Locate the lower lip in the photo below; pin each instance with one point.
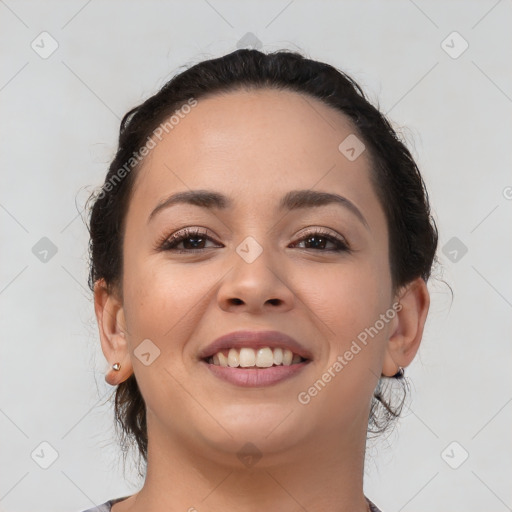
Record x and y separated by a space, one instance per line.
256 377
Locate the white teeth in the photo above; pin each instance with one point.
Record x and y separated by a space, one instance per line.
264 357
223 360
233 358
247 357
278 356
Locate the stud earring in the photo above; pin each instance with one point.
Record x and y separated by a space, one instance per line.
116 367
399 374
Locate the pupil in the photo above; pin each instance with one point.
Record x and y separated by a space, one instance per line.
321 241
193 244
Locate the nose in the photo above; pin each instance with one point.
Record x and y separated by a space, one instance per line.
256 285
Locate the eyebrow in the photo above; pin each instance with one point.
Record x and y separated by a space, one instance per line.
293 200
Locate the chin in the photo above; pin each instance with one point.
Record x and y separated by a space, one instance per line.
266 431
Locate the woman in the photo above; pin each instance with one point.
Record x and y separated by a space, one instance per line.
259 256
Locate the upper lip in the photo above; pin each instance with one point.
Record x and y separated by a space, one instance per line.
254 339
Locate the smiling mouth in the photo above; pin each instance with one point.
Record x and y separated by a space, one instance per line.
248 358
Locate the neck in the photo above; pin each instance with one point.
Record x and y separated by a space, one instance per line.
325 474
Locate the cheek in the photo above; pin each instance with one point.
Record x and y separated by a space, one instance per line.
161 305
158 298
347 304
346 297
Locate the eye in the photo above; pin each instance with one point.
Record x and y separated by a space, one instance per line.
193 240
319 238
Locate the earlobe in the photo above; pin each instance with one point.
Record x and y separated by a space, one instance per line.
111 324
404 341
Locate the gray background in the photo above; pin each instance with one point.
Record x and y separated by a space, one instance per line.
60 118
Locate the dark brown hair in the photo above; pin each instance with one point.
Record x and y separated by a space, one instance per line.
412 231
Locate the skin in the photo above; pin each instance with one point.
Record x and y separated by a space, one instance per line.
255 147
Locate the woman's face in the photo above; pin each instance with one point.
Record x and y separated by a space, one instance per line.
256 266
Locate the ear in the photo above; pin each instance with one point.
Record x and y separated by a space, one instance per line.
407 330
111 323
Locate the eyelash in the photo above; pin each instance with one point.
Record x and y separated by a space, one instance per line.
170 243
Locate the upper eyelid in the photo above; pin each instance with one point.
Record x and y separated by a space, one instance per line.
205 231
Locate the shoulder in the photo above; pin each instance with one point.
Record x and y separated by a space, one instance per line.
105 507
373 507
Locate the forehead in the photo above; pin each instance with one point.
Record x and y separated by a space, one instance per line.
255 145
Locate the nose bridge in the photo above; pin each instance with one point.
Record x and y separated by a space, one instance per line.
255 236
254 258
257 276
